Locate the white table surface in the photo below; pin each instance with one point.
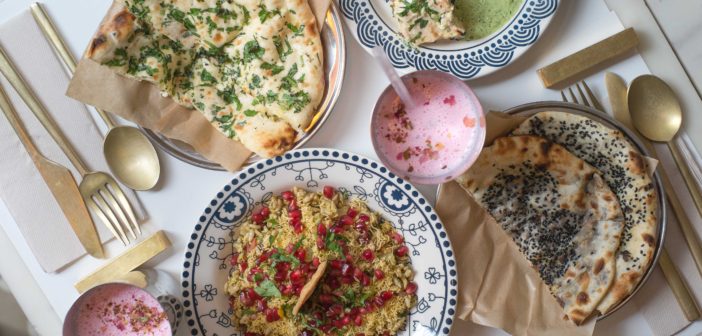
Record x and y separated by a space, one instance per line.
184 190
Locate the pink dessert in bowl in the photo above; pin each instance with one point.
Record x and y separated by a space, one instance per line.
116 309
436 140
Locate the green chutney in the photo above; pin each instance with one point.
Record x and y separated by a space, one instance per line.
481 18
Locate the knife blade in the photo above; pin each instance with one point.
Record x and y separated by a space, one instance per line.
61 184
617 92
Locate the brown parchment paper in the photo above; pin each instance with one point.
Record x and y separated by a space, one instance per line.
497 285
141 102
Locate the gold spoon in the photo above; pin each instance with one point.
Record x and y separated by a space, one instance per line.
657 115
129 154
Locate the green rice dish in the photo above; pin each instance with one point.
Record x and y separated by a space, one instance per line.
481 18
367 287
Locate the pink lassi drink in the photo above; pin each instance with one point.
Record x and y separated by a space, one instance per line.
437 139
119 309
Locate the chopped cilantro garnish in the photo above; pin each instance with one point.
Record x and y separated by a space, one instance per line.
250 113
252 50
297 30
275 69
267 289
294 101
230 97
264 14
207 77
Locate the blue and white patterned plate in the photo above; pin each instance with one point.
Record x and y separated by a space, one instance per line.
372 23
206 265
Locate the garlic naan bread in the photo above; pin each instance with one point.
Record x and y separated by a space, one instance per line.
252 67
426 21
558 211
624 170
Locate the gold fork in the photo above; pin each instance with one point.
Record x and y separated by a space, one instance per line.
100 192
670 272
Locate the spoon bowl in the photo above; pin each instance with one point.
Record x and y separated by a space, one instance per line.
131 157
655 110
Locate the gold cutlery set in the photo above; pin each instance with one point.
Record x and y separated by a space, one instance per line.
650 109
128 154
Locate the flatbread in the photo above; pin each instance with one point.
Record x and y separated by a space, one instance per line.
253 68
423 21
624 170
558 211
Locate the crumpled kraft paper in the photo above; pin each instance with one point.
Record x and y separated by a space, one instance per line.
141 102
497 285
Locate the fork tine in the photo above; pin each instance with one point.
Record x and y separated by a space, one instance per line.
124 203
582 95
107 217
563 96
572 96
116 209
593 98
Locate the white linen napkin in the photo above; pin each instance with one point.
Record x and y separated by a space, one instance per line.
22 188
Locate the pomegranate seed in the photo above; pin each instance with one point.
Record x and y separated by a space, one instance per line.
351 212
336 264
364 238
336 229
397 237
257 218
361 227
320 243
272 315
261 305
346 280
357 274
379 275
346 220
295 214
301 254
367 254
297 276
346 320
358 320
347 270
363 218
401 251
362 311
292 206
315 262
297 229
287 290
378 301
234 259
298 290
328 192
321 229
335 310
411 288
386 295
265 212
288 195
245 299
280 276
243 265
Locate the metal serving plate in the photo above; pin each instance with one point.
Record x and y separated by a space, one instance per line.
332 36
530 109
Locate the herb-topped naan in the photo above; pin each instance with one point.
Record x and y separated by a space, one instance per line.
426 21
252 67
558 211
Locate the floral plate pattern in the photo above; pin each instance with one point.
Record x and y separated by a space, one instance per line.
206 265
372 23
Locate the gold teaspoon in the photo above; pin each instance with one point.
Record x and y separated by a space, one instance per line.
129 154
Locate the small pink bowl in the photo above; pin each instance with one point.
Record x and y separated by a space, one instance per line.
445 106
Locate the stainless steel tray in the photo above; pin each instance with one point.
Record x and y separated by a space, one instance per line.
334 69
533 108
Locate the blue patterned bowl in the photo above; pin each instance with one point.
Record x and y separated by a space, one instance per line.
372 23
206 266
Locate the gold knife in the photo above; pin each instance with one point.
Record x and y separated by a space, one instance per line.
617 91
61 183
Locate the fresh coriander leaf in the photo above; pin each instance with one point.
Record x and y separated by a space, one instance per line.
267 289
252 50
250 113
274 68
